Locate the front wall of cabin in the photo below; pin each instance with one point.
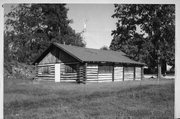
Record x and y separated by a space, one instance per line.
57 56
46 67
45 72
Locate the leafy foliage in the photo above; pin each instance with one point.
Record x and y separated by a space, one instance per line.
104 48
145 32
32 27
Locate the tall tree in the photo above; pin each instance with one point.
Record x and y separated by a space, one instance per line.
34 26
146 33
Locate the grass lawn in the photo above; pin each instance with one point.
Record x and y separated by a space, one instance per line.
146 99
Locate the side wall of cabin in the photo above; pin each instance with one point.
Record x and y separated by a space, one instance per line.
109 73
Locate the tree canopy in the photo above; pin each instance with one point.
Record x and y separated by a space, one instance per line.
104 48
30 28
146 32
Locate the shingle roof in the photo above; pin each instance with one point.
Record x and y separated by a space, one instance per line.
95 55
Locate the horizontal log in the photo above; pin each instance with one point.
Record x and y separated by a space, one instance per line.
118 77
128 75
91 79
104 80
45 78
104 77
69 73
118 72
88 78
68 79
117 80
128 79
91 76
45 75
91 71
104 74
68 76
92 66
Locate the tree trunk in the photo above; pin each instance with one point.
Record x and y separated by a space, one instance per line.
159 63
159 72
163 67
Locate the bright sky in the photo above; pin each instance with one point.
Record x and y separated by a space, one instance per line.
99 22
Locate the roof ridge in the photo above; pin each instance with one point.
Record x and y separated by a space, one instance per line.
90 48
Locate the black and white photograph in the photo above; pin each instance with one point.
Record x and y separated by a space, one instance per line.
89 60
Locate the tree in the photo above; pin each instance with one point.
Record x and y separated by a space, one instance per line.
104 48
146 33
34 26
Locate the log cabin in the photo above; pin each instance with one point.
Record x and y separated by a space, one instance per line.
65 63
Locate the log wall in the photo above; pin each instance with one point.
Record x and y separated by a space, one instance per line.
138 73
49 76
105 77
81 72
118 73
68 77
92 73
128 73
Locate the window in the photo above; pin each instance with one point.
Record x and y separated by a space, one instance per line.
128 69
45 70
70 68
105 69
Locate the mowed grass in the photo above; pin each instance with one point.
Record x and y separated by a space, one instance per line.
114 100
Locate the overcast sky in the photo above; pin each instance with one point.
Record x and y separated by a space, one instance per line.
97 18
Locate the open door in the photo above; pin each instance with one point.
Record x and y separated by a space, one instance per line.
57 72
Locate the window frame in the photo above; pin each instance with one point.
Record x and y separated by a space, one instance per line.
45 70
105 69
70 68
